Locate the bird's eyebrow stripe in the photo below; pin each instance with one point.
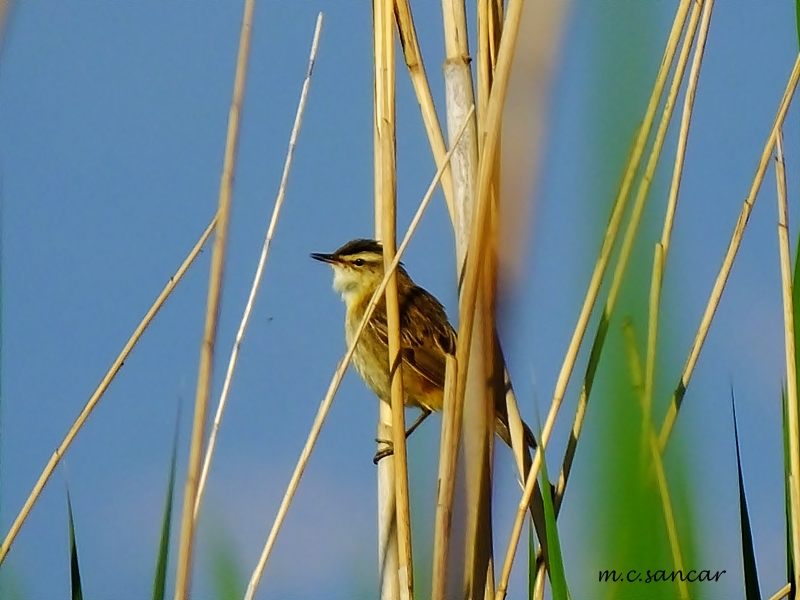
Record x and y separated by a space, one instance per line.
364 256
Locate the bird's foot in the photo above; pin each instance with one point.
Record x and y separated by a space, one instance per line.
387 450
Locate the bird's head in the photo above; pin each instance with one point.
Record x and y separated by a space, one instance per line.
357 268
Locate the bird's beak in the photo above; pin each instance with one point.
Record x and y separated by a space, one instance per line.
326 258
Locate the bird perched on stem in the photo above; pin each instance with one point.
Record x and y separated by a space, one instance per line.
426 336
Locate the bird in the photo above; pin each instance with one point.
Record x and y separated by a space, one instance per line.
426 335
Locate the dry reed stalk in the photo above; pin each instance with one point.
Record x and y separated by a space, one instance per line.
782 593
644 185
478 222
672 200
683 133
458 100
480 399
101 388
727 263
662 247
385 75
212 440
791 364
490 29
186 544
609 240
479 430
325 405
658 464
419 80
591 295
388 559
416 68
388 543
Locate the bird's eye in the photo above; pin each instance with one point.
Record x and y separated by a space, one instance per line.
359 262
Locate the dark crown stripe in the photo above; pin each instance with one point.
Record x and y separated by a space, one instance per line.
358 246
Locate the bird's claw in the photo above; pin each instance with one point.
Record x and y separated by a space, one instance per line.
388 450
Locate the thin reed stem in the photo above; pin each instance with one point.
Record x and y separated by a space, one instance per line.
476 407
727 263
782 593
591 295
186 544
605 253
101 388
325 405
298 119
643 191
388 558
662 247
471 273
385 75
791 346
419 80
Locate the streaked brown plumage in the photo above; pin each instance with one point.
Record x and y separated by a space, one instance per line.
426 335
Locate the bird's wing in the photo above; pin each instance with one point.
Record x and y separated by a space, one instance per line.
426 335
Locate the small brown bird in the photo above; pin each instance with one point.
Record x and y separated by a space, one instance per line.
426 335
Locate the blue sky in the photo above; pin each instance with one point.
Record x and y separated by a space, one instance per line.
112 126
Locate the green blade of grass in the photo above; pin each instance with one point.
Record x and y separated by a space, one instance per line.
558 580
787 495
531 563
227 577
160 580
796 285
751 587
76 590
797 15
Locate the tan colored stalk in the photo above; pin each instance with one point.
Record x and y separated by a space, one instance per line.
791 364
605 253
486 362
419 79
686 118
459 99
186 544
388 559
657 268
325 405
644 185
479 220
782 593
101 389
727 263
298 119
385 74
416 68
591 296
663 246
658 464
470 399
388 543
479 430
